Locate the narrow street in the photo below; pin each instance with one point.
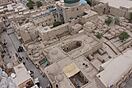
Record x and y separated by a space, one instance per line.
12 45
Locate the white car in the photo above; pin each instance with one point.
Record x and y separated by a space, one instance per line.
36 82
31 73
35 86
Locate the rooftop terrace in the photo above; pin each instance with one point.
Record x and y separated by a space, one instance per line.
118 3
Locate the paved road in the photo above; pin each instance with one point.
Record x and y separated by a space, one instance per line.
12 45
128 83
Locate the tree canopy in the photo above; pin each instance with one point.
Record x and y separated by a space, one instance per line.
130 17
39 4
30 4
108 21
89 2
123 36
117 21
99 35
57 23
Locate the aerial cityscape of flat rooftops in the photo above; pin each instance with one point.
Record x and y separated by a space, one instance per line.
65 43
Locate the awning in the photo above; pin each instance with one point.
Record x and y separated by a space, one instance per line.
70 70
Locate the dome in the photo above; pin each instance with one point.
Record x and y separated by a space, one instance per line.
53 71
59 78
13 75
71 1
54 52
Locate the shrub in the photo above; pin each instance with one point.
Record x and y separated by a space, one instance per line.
123 36
99 35
39 4
108 21
57 23
89 2
30 4
130 17
117 21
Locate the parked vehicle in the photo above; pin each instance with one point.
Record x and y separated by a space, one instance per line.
36 81
31 73
20 49
35 86
49 86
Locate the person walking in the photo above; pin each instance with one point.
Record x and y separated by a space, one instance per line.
16 54
24 63
27 58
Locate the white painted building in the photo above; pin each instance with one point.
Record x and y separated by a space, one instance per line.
22 76
120 8
115 71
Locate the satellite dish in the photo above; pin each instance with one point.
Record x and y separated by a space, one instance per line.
9 65
13 75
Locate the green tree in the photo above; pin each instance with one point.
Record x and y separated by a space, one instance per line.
123 36
99 35
89 2
30 5
117 21
130 17
31 1
57 23
39 4
108 21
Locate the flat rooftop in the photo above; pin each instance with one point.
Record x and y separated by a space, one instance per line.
118 3
2 2
22 75
73 46
115 69
47 29
62 71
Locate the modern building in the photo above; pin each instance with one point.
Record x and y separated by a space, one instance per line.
126 4
120 8
116 72
22 77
